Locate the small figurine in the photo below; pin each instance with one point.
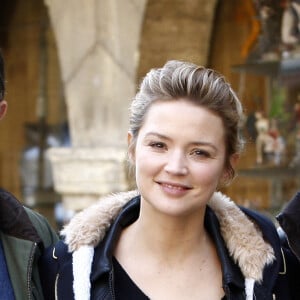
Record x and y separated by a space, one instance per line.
263 138
290 28
296 159
278 144
270 145
264 41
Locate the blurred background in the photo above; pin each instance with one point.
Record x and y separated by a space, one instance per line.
72 68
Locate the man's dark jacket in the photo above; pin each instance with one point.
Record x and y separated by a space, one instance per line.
24 235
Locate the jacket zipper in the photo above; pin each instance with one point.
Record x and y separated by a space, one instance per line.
29 270
111 284
227 292
55 286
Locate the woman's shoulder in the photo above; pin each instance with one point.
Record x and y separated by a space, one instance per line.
89 226
262 219
238 217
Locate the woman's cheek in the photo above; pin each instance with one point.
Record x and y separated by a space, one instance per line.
207 173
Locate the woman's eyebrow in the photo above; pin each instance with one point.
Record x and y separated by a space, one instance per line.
151 133
204 144
195 143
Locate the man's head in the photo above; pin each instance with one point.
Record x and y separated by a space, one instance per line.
3 104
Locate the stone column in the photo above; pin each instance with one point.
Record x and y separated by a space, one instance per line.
82 174
97 45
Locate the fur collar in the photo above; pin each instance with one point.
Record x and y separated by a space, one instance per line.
243 239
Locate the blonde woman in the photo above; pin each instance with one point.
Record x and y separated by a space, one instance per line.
176 236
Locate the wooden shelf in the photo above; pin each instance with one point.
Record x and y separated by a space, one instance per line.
287 71
271 172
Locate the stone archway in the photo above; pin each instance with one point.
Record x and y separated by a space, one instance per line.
98 52
103 47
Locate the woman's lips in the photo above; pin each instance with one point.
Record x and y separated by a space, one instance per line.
174 188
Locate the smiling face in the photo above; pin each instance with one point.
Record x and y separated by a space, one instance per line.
179 157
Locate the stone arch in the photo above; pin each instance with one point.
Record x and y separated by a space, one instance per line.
98 50
103 52
103 49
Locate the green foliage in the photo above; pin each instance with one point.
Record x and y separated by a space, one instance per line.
277 105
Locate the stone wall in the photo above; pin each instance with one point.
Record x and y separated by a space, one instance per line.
176 29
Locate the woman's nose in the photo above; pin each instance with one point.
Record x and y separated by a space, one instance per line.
176 164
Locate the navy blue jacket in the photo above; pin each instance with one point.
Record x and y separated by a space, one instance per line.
280 279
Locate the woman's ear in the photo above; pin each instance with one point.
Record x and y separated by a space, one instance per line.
234 160
130 147
129 138
227 176
3 108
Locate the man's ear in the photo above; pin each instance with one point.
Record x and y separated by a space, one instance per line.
3 108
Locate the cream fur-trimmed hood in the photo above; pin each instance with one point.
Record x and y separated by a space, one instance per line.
243 239
89 226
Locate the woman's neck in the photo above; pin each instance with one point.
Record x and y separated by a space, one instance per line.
168 238
159 251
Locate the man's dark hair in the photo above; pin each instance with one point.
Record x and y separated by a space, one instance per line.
2 85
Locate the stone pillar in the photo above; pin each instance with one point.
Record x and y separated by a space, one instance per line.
97 45
82 174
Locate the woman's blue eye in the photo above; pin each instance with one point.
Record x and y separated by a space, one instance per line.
200 153
157 145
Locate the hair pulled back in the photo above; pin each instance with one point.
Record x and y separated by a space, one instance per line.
199 85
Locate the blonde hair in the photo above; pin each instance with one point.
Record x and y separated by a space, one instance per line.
202 86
